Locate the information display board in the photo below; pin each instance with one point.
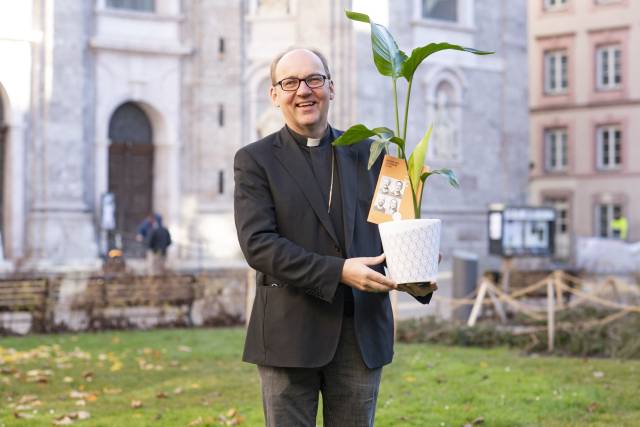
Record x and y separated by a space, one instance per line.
521 231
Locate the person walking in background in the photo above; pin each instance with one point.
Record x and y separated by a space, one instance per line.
156 239
146 225
619 226
321 320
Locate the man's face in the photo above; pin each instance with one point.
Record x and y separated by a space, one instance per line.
304 110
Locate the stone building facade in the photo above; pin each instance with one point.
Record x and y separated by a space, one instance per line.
585 115
149 100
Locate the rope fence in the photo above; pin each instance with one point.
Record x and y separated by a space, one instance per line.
555 287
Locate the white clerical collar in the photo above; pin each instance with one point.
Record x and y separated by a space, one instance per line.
313 142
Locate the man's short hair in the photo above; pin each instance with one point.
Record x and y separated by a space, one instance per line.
313 50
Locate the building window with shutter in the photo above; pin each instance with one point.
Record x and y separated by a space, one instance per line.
605 213
221 182
556 150
608 147
608 67
554 4
556 72
135 5
443 10
221 115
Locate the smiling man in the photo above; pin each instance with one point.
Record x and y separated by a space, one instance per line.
321 320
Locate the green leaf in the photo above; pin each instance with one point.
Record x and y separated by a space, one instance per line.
416 160
375 150
357 16
353 135
358 133
453 179
384 132
387 57
419 54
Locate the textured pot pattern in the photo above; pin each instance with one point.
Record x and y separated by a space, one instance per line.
412 248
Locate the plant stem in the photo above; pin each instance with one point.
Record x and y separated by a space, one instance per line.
395 107
406 111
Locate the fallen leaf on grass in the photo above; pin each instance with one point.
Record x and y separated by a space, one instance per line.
63 421
70 418
39 376
67 380
231 418
111 391
197 422
593 406
410 379
184 349
162 395
22 415
135 404
27 398
75 394
598 374
477 421
177 390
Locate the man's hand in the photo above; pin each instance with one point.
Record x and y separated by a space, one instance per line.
418 289
358 275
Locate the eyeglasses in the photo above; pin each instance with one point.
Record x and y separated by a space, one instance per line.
291 84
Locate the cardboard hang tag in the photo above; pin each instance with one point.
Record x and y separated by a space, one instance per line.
392 200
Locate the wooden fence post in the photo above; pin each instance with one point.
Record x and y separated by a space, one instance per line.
550 314
477 305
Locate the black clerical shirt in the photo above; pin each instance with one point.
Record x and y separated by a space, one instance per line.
319 159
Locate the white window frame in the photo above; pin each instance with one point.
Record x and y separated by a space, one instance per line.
556 149
556 72
610 211
609 67
608 140
555 4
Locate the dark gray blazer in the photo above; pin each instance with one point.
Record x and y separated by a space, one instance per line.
287 236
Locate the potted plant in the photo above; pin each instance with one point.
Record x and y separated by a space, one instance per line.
411 245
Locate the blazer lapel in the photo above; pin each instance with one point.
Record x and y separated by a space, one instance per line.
289 155
348 169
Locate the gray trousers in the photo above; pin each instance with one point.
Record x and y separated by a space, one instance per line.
349 389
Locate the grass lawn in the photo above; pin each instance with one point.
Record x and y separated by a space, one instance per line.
194 377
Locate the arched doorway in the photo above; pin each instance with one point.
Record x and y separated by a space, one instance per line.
4 128
130 173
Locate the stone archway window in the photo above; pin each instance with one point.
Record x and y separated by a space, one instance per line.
130 124
131 158
136 5
445 116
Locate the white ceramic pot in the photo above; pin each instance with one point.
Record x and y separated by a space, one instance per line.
412 247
